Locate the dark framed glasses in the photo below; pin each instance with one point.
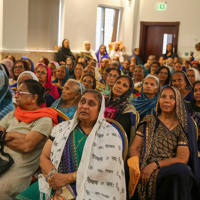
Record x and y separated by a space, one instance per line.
18 67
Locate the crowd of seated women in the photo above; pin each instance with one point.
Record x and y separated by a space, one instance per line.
107 104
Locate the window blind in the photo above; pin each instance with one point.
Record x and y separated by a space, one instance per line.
43 23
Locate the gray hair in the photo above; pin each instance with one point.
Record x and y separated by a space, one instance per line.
152 56
76 86
140 67
115 62
72 62
97 95
154 77
91 67
146 64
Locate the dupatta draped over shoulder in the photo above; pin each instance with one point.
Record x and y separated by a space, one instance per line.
6 104
100 174
158 138
99 56
65 79
64 53
51 89
144 105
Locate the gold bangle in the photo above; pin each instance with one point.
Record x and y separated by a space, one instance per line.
74 176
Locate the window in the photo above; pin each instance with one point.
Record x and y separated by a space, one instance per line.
107 26
43 24
167 38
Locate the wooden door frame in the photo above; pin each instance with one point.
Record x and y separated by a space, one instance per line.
143 32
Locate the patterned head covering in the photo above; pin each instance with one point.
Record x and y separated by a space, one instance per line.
185 77
179 107
186 124
121 102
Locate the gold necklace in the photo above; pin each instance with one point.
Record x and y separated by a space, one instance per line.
81 138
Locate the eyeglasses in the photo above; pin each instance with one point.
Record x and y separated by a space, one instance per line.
18 67
42 72
19 93
113 75
140 71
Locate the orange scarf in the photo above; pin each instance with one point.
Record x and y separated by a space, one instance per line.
30 116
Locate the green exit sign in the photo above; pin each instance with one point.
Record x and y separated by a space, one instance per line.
161 6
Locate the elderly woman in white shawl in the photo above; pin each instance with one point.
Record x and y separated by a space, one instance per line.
83 157
87 52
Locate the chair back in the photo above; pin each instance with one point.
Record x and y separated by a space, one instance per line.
61 116
196 128
57 85
122 133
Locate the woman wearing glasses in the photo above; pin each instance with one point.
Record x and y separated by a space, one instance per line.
112 76
43 74
27 129
19 67
70 64
165 75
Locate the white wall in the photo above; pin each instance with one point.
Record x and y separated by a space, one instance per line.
184 11
1 23
80 21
